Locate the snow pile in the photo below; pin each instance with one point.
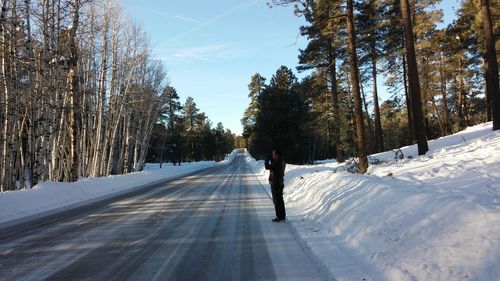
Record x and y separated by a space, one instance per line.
257 166
229 157
48 195
433 217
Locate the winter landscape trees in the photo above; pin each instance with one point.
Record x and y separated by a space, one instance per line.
81 94
439 80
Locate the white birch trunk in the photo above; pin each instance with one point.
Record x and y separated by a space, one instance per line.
5 113
101 100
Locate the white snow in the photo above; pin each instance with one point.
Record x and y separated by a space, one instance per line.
54 196
433 217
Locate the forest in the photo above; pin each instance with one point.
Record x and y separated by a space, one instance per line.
438 80
185 134
83 96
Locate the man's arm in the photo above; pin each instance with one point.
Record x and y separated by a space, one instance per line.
268 163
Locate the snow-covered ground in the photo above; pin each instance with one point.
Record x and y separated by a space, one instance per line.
433 217
49 196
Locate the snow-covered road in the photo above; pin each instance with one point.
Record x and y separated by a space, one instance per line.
214 225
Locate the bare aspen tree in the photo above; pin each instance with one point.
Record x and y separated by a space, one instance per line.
6 102
88 67
103 156
12 141
156 75
101 92
79 91
3 97
73 93
30 90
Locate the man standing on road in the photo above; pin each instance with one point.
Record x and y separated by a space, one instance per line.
276 167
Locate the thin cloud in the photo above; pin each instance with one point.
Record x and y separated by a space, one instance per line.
186 19
163 14
241 6
210 52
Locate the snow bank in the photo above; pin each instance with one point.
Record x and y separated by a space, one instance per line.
433 217
49 195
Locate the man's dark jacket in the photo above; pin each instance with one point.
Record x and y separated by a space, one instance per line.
276 171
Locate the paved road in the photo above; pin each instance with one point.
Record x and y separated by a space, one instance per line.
214 225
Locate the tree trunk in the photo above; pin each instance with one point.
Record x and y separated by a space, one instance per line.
411 127
74 96
339 153
439 119
487 93
21 162
31 93
460 95
101 95
5 107
368 121
379 138
126 144
14 106
46 114
446 114
137 143
360 130
491 64
113 93
413 79
5 159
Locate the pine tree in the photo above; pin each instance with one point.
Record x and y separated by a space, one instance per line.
194 122
323 53
425 18
170 110
281 120
369 25
491 67
413 79
353 62
353 58
468 61
224 141
394 59
256 86
442 52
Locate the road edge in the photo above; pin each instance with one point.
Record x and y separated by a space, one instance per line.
320 264
30 222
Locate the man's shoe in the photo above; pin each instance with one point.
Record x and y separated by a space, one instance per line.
278 220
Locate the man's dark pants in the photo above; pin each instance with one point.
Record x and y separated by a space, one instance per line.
279 204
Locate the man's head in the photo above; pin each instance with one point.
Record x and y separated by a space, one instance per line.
276 154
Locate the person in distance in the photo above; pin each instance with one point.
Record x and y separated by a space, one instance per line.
276 166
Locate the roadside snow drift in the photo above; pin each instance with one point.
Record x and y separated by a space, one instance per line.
433 217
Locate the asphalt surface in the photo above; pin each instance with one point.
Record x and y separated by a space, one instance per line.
214 225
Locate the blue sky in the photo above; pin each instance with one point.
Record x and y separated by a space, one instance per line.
212 48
